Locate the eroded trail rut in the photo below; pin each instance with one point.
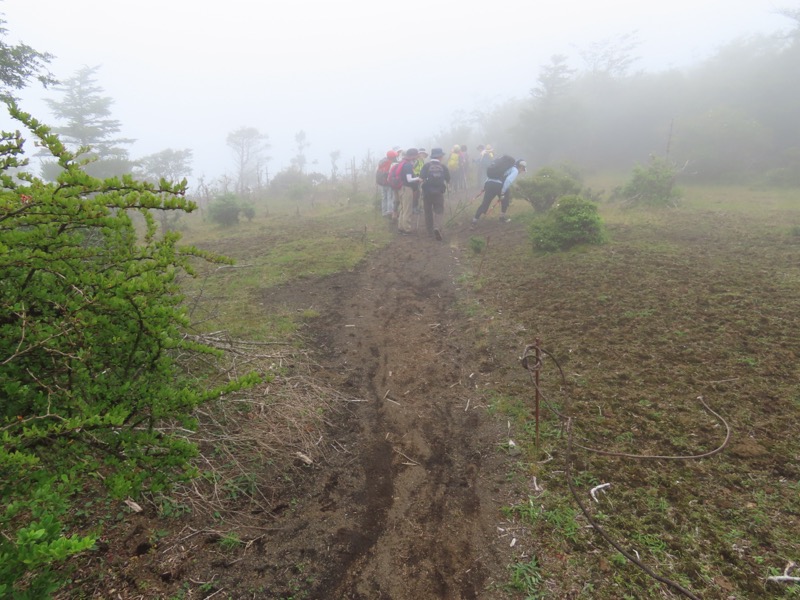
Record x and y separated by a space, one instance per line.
405 507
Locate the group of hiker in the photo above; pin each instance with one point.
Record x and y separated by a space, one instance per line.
406 177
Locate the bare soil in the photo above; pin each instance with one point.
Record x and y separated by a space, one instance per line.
409 508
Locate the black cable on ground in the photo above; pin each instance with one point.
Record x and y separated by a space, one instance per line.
567 462
567 421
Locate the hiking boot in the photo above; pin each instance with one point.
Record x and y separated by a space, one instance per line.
504 219
474 223
437 234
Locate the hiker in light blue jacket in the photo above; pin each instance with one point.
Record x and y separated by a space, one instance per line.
498 185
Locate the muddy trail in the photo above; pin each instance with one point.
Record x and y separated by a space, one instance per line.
406 505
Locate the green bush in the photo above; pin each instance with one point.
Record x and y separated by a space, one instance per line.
90 323
652 185
546 186
225 209
574 220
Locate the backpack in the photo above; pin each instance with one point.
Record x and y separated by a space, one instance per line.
434 177
499 166
382 174
395 179
454 161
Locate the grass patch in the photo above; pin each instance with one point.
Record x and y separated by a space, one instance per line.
272 251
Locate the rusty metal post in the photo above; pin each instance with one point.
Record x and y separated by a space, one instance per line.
535 368
537 343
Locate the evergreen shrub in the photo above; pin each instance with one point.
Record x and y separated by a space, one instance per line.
573 221
91 322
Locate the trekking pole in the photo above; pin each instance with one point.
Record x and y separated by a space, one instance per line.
461 207
491 208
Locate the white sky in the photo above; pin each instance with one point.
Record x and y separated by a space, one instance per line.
354 74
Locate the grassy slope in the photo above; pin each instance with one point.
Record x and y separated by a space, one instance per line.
703 300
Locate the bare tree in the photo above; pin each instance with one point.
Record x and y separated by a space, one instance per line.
335 156
248 145
299 161
611 57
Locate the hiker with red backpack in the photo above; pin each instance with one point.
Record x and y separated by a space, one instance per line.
435 177
422 155
499 177
382 180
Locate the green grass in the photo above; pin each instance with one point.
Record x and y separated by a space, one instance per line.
272 251
526 577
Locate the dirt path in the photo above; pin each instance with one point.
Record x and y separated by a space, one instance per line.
404 508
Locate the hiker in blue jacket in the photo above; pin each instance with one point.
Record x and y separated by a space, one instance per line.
497 185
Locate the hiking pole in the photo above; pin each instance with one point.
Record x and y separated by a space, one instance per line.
461 207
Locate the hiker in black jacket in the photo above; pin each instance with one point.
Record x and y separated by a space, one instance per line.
500 175
435 177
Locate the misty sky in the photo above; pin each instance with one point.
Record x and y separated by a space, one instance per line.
354 75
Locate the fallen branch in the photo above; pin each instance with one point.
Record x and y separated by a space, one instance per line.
787 575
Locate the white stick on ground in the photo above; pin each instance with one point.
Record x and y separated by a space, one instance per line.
787 575
596 489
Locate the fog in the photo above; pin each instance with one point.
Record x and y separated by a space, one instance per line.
354 76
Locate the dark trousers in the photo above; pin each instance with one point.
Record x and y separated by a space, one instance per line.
433 204
491 190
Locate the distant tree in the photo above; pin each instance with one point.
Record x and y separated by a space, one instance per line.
248 146
169 165
552 111
723 144
611 58
335 156
19 64
553 80
301 143
89 130
794 15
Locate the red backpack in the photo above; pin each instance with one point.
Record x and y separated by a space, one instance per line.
395 176
382 174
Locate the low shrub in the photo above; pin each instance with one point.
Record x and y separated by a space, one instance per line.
546 186
573 221
652 185
225 210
